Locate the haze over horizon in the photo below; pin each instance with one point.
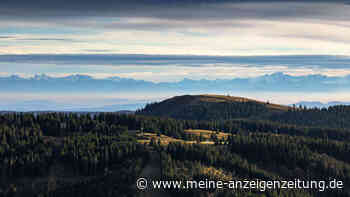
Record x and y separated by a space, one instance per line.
86 93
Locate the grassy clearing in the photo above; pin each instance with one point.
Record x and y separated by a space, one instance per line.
145 138
219 174
207 134
206 137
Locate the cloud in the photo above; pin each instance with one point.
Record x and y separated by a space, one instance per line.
156 24
49 39
99 50
197 27
6 37
295 61
175 10
320 38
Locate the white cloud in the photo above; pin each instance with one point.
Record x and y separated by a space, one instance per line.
217 36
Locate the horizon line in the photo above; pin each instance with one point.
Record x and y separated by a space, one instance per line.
62 76
172 55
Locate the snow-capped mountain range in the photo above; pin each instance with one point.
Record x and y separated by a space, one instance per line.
84 83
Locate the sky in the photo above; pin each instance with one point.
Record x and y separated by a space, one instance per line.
170 40
169 27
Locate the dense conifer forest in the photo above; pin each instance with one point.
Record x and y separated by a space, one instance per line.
102 154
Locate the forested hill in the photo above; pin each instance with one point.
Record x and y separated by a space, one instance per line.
218 107
211 107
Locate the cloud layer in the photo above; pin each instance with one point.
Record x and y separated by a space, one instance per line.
196 27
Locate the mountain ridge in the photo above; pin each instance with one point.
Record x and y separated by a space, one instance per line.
226 108
275 82
318 104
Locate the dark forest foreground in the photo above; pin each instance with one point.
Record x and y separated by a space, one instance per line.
102 154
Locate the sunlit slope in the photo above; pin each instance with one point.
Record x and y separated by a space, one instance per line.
212 107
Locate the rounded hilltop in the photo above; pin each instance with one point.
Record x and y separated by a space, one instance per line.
211 107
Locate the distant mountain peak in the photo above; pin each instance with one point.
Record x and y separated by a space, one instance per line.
15 77
279 74
115 78
187 80
319 104
78 77
275 82
41 77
